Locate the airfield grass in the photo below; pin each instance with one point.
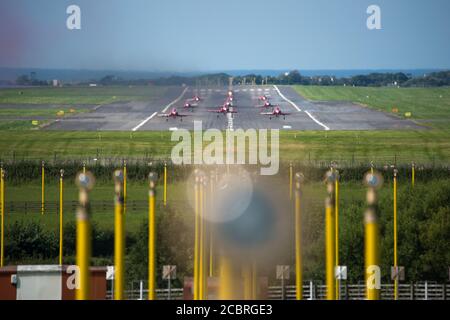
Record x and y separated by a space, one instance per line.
178 194
22 119
103 218
37 112
79 95
426 146
429 104
16 125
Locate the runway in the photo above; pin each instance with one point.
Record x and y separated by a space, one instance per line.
116 116
303 114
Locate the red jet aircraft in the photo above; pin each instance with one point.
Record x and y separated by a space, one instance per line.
173 114
266 104
195 98
188 105
276 112
223 109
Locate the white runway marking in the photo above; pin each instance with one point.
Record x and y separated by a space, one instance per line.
230 120
175 101
164 110
286 99
317 121
295 106
144 122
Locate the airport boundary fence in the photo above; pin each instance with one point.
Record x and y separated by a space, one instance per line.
317 291
137 170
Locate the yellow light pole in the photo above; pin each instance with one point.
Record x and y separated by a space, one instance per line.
196 239
254 281
61 204
371 238
247 275
205 231
124 187
413 174
395 235
85 182
226 280
165 183
202 240
152 237
298 238
119 235
84 167
330 255
290 181
43 187
2 211
211 235
336 228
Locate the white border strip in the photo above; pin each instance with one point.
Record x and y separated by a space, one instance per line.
144 122
164 110
175 101
317 121
307 112
286 99
230 121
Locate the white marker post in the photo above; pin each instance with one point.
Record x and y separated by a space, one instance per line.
169 273
283 274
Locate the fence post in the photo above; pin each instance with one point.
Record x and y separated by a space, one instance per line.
141 290
169 289
444 291
131 295
426 290
412 290
346 290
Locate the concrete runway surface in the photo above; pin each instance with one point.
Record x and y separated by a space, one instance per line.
304 114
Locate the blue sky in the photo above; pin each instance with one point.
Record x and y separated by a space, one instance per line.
206 35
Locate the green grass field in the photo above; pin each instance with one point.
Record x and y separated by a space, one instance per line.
23 119
37 112
430 104
79 95
177 200
360 146
31 192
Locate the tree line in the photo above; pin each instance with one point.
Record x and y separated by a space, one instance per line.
398 79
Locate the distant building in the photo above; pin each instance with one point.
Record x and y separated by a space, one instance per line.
92 84
56 83
47 282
